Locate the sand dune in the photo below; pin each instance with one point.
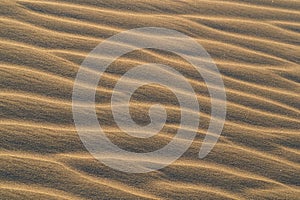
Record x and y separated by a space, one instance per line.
255 45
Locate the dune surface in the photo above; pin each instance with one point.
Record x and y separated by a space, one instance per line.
254 43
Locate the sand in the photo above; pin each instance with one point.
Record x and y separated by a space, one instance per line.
255 45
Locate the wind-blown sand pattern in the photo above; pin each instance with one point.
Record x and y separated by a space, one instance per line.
256 46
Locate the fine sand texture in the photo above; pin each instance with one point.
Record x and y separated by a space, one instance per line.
254 43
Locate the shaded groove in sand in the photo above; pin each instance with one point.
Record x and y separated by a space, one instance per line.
138 14
196 164
260 87
201 188
38 190
116 29
112 184
260 112
186 163
97 40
